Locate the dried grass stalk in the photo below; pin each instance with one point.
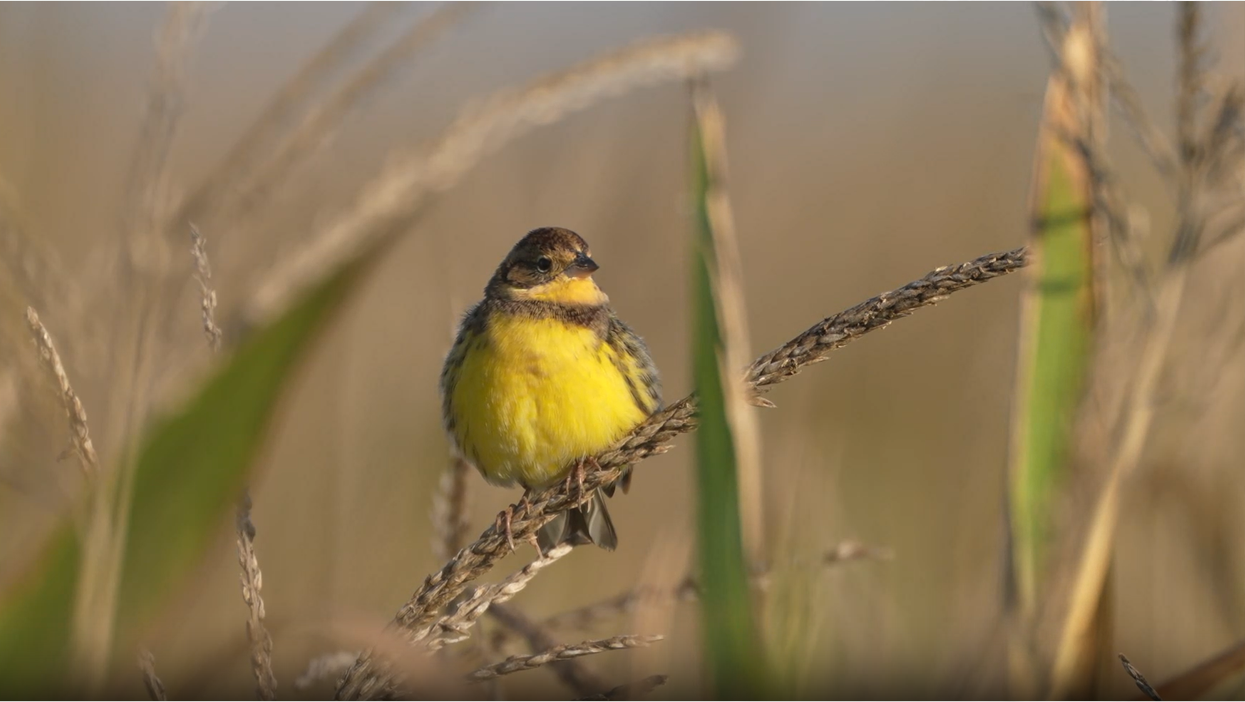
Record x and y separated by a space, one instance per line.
330 666
1139 679
323 120
1122 449
654 436
79 430
207 296
148 178
631 691
581 680
1207 676
450 507
401 189
515 664
252 584
277 115
454 626
687 589
144 261
33 267
147 666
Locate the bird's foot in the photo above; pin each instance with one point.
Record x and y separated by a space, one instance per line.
503 524
505 518
576 476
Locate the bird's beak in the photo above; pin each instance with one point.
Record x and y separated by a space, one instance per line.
581 267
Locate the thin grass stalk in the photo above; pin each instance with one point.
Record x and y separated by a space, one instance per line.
369 675
453 627
515 664
207 295
1076 638
252 578
1139 679
1208 676
252 585
579 679
143 258
80 444
687 589
151 681
450 507
404 186
325 119
275 119
631 691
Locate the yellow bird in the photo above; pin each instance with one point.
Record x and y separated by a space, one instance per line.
543 376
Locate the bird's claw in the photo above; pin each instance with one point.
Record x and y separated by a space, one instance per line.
578 472
504 518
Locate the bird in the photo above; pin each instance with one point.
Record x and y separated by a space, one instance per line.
542 376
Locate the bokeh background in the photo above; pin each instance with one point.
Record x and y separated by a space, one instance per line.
868 144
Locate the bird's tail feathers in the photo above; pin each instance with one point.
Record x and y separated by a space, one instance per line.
589 523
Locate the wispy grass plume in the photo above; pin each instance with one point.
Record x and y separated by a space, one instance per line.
252 586
403 187
515 664
214 193
81 445
207 295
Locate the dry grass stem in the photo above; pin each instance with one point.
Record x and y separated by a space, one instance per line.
79 430
34 269
515 664
402 187
450 506
632 691
144 261
322 121
453 627
1139 679
274 121
450 628
578 678
149 172
1123 448
1205 677
1191 80
726 278
151 681
1120 90
687 589
203 275
655 434
252 584
330 666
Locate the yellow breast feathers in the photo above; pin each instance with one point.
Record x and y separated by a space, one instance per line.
528 394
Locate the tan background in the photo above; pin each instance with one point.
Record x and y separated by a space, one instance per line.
868 144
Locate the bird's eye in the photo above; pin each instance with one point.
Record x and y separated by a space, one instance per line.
544 264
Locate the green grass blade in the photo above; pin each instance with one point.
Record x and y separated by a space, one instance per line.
35 621
191 469
729 630
1056 343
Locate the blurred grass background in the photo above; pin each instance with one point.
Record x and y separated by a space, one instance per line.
868 144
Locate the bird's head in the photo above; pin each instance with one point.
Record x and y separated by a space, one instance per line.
550 264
